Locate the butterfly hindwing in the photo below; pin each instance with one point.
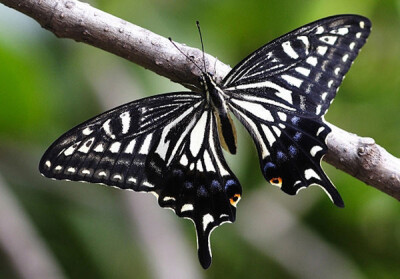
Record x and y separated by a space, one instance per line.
203 181
281 92
167 145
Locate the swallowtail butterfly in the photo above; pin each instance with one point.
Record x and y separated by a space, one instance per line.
170 144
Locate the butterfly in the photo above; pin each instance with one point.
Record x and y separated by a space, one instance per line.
171 144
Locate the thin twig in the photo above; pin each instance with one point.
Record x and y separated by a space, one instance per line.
360 157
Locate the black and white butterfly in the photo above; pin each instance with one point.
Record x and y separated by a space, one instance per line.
170 144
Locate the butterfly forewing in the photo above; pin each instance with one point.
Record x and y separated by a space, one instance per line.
167 145
281 91
304 68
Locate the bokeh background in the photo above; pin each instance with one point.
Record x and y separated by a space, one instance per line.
53 229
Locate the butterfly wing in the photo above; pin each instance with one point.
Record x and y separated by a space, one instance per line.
167 145
281 92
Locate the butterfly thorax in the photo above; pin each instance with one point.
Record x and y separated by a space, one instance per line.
216 99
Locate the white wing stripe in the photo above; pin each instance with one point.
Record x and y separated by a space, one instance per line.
197 134
254 128
282 93
265 101
255 109
163 146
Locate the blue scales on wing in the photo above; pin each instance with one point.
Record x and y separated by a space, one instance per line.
282 91
167 145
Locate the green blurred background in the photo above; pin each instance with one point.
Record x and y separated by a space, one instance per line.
75 230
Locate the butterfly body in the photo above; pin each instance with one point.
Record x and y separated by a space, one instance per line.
217 101
171 144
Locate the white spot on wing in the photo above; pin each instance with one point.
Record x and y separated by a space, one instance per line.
86 146
313 61
277 131
48 164
303 71
287 48
132 179
352 45
305 41
282 116
292 80
70 150
318 109
184 160
107 129
310 173
57 168
345 57
87 131
114 148
99 148
187 207
320 130
341 31
320 30
168 199
362 24
315 150
85 171
322 50
207 219
144 149
117 177
328 39
147 184
125 121
129 148
71 170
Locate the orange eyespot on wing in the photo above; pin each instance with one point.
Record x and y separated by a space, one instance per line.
276 181
235 199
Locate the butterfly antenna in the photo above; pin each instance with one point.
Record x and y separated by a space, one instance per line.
202 45
184 54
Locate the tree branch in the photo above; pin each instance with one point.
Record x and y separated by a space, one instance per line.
360 157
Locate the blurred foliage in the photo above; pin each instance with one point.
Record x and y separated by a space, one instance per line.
48 85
